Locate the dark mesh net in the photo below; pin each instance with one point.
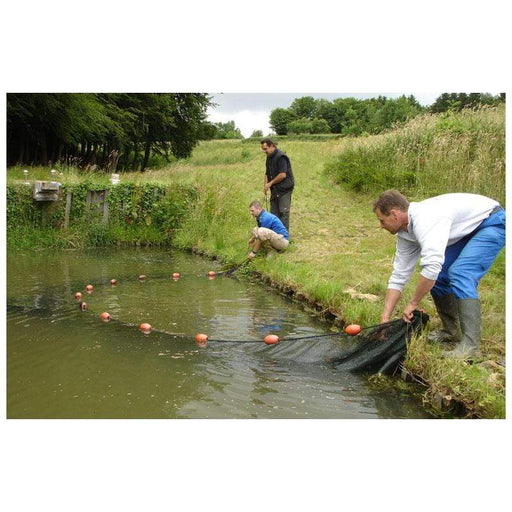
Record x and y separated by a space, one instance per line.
381 348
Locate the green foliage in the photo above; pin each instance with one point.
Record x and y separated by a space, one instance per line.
458 101
279 120
302 125
144 213
366 169
228 131
103 129
430 155
346 116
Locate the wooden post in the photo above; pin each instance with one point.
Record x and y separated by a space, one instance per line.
105 207
68 209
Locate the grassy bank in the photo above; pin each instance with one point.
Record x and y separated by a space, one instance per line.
340 258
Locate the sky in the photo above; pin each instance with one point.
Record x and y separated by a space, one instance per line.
251 111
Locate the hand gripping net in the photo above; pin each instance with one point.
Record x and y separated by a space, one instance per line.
381 348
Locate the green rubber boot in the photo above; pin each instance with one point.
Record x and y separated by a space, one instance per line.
449 314
471 325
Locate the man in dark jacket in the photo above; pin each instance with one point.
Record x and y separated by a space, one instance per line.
279 179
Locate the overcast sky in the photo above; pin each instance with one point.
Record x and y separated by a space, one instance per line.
251 111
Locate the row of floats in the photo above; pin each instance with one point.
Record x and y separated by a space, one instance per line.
201 339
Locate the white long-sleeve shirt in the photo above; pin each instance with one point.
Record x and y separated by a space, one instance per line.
435 224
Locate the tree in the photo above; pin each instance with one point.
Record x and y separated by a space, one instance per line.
257 133
89 127
458 101
302 125
320 126
279 119
304 107
227 131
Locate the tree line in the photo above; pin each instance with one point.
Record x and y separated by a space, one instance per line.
113 131
351 116
104 130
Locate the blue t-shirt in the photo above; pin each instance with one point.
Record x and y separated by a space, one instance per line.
270 221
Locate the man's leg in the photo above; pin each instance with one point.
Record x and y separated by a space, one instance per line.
474 261
274 206
285 202
444 299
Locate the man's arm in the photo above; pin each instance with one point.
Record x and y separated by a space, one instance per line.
280 177
423 287
390 301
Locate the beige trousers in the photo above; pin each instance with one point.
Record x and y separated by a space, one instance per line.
278 242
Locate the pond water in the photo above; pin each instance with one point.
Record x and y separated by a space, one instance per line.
66 363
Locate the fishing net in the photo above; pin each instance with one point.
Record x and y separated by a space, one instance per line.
381 348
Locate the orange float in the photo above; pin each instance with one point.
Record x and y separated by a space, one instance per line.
78 295
83 306
105 316
271 339
113 282
201 340
89 287
176 275
142 277
145 328
211 273
353 329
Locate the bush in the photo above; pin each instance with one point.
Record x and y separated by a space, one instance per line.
453 152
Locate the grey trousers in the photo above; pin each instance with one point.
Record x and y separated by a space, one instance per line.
280 207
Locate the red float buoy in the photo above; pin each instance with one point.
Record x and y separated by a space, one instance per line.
78 295
89 287
145 328
105 316
113 282
142 277
201 340
353 329
83 306
211 273
271 339
176 275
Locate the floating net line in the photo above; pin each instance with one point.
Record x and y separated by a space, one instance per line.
380 348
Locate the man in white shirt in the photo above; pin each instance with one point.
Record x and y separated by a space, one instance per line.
456 237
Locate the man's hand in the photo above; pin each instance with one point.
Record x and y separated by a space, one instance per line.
251 255
408 312
265 188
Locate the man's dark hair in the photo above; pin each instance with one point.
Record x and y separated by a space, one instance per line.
389 200
268 142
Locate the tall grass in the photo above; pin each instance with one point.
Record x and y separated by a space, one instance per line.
430 155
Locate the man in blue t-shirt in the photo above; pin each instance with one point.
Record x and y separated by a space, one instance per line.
270 229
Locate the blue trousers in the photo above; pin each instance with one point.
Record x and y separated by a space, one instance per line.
467 261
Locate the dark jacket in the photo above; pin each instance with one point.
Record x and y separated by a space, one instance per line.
279 162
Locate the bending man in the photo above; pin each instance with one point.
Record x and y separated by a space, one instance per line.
279 179
457 238
269 228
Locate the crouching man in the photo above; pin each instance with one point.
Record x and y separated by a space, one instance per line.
270 229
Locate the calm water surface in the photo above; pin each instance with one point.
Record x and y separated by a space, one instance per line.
65 363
